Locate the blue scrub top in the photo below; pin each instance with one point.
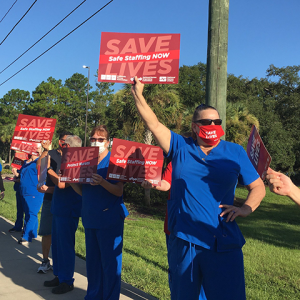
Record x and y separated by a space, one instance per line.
200 186
100 208
29 179
66 203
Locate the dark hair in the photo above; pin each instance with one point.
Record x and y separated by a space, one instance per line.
200 108
100 129
62 134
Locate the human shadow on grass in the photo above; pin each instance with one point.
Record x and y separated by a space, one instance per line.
146 259
272 224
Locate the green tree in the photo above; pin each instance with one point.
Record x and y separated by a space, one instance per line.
6 134
163 99
239 123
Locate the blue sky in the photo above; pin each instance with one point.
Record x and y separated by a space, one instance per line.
260 33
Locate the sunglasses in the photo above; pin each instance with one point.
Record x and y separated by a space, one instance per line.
209 121
101 140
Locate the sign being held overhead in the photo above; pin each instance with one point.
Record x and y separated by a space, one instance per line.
153 58
34 129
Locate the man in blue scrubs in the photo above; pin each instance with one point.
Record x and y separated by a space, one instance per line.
66 210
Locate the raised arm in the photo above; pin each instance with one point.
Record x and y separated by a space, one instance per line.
160 132
281 184
46 146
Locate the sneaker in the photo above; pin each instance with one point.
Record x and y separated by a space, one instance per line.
45 266
14 230
52 283
63 288
23 242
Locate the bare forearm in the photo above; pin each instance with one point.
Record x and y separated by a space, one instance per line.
295 194
164 186
255 196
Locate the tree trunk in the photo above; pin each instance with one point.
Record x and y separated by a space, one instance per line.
9 157
148 141
147 197
148 137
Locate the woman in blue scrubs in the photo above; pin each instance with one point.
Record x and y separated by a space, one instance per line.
103 214
32 199
205 244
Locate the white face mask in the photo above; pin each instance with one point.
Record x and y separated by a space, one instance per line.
100 145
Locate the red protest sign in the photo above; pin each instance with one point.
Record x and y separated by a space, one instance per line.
18 160
34 129
135 162
258 154
78 164
154 58
27 147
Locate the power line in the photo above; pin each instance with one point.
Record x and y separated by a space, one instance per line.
8 11
57 42
18 21
42 37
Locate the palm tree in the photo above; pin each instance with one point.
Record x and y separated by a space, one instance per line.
239 123
164 101
6 134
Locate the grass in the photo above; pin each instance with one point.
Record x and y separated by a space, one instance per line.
271 253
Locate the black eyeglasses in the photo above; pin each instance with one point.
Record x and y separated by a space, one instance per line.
101 140
209 121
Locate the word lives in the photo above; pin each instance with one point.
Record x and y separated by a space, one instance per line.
78 164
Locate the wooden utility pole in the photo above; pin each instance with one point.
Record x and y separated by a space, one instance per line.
216 77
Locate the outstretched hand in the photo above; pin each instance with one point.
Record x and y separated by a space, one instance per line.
279 183
137 87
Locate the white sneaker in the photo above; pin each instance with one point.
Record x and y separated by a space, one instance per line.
44 267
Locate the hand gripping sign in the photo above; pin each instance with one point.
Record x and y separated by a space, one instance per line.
258 154
135 162
30 131
78 164
154 58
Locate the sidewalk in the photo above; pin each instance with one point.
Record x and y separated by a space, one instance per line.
19 278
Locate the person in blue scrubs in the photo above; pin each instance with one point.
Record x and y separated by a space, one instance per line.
205 242
32 199
103 214
66 210
20 210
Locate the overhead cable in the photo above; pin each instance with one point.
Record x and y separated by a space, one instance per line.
42 36
57 42
8 11
18 22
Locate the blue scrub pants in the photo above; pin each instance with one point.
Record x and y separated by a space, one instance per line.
104 262
20 212
219 274
31 205
63 247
